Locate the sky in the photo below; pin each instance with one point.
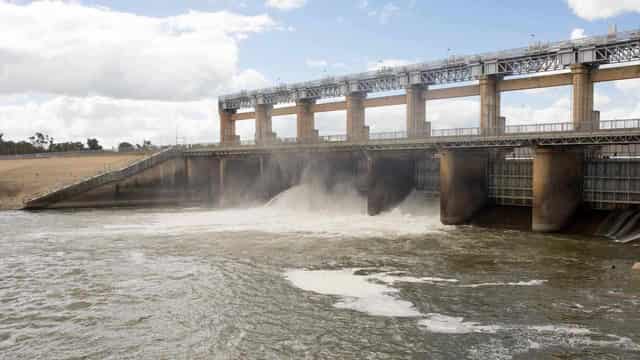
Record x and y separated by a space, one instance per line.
126 70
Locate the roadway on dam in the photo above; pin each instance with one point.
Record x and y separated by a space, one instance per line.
309 275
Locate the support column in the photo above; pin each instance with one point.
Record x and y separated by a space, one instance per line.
557 187
463 185
356 129
390 180
227 126
582 111
417 125
305 121
264 132
489 105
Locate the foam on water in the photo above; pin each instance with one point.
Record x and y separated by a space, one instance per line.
374 295
355 292
516 283
443 324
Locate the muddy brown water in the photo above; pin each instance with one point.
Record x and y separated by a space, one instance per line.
289 281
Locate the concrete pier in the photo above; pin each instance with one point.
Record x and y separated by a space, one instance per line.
417 125
264 129
463 185
390 180
228 127
305 121
489 104
582 110
356 128
557 187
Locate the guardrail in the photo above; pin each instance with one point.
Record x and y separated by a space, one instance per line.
619 124
507 131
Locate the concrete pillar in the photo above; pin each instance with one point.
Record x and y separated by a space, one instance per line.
264 132
557 187
227 126
417 125
463 185
390 180
356 129
305 121
489 104
582 111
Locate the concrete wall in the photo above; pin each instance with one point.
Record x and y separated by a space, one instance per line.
238 180
203 179
463 185
165 183
557 187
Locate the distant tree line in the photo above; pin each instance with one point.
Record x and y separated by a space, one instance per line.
42 143
126 147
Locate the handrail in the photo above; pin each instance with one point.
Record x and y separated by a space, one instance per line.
509 130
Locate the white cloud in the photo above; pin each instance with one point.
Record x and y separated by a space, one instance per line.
454 113
387 63
286 4
577 34
628 87
75 71
70 49
557 112
602 9
69 118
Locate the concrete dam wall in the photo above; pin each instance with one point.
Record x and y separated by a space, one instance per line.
551 189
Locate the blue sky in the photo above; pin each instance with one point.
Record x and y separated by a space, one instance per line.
347 32
128 70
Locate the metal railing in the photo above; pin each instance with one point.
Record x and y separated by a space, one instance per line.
619 124
507 131
456 132
539 128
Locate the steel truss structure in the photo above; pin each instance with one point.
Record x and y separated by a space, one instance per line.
614 48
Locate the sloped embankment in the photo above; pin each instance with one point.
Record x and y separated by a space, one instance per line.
86 185
24 178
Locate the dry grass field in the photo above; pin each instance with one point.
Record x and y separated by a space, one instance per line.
22 178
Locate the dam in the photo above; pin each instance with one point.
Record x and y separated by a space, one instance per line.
553 169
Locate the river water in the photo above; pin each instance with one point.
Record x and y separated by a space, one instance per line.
308 276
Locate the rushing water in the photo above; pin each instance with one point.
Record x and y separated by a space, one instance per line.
290 281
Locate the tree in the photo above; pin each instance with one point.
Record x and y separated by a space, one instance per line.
67 146
39 140
125 146
93 144
146 145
